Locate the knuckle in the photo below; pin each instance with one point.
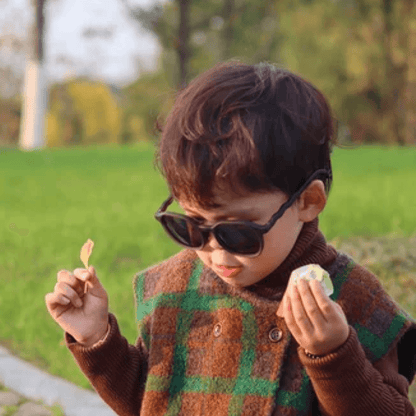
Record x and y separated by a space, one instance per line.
62 274
69 290
314 310
317 284
81 274
320 338
64 289
327 308
301 317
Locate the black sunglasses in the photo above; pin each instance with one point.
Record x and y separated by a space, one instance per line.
244 238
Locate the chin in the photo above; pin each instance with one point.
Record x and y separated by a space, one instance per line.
236 284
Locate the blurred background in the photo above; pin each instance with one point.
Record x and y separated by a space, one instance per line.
101 71
82 84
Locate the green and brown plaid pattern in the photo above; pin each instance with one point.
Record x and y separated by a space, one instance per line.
210 351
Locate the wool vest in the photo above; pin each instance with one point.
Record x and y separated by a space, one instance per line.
218 350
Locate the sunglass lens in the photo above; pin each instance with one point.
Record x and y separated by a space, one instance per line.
183 231
238 239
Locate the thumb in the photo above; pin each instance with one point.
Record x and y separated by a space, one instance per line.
93 282
341 312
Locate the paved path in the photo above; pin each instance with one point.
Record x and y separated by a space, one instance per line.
14 404
27 385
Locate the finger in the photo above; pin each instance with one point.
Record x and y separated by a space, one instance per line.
309 303
53 300
82 274
68 292
299 313
65 289
323 301
90 278
68 278
290 318
341 312
85 276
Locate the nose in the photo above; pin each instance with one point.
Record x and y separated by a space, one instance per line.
212 242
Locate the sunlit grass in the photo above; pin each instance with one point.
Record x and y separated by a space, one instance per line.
54 200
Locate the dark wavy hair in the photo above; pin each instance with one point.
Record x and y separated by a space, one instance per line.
239 128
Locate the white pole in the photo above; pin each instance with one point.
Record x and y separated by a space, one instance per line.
32 129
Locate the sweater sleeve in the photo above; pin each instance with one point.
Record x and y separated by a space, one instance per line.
116 369
347 384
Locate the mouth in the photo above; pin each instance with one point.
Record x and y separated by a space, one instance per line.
228 271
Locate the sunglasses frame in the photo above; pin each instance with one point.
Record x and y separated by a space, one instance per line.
257 228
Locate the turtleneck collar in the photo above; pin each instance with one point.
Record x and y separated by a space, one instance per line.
310 247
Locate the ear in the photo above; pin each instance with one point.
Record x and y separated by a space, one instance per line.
312 201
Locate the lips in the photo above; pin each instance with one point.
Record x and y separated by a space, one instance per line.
229 271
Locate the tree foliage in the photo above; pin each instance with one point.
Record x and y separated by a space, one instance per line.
356 51
82 111
360 53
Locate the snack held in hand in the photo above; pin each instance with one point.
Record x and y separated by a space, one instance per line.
314 272
86 251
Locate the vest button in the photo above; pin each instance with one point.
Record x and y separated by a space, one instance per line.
275 335
217 330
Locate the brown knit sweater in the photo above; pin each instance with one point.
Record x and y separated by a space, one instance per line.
205 348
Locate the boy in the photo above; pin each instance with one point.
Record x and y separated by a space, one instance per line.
223 330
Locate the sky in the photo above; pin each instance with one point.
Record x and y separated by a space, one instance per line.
114 60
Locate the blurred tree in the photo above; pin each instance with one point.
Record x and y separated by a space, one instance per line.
194 36
356 51
182 28
9 122
410 91
139 114
394 74
83 112
12 55
12 49
151 19
357 55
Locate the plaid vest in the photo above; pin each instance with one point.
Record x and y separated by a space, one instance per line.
217 350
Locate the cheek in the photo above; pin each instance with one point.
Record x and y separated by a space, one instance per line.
204 256
281 239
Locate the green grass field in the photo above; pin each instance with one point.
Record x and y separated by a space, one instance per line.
52 201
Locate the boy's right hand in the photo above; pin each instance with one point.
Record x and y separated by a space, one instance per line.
87 322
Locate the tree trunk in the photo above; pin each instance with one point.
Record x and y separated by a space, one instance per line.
183 36
227 33
392 76
410 135
32 130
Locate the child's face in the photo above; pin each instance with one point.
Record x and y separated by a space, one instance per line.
278 242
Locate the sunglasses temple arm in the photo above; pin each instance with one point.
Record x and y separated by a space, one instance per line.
299 192
164 205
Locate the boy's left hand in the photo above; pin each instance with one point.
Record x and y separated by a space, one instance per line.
318 324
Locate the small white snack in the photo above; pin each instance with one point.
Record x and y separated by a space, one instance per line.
314 272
